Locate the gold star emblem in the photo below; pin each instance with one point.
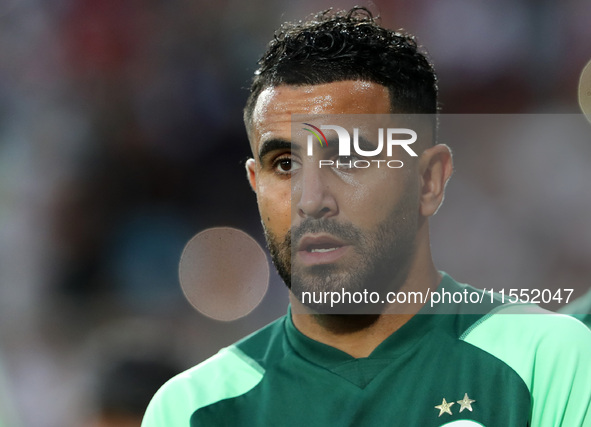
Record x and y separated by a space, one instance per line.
444 407
466 403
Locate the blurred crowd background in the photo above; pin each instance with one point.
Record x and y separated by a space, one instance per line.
121 137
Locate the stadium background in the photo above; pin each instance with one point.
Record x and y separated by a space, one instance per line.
121 137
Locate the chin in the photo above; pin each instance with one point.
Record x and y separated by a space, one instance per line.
337 295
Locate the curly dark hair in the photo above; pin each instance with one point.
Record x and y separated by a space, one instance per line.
347 45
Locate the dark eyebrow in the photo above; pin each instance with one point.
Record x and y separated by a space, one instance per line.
332 142
274 144
365 144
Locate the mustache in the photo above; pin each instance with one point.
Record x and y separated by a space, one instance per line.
346 232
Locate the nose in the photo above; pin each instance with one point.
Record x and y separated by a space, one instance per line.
316 197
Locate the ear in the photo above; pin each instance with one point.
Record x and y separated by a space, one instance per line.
250 166
435 167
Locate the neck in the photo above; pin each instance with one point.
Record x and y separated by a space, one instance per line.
358 335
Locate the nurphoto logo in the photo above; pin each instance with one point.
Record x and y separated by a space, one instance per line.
361 147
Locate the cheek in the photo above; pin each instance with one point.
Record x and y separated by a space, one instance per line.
378 196
275 207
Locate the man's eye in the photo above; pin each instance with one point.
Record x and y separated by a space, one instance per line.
286 165
346 162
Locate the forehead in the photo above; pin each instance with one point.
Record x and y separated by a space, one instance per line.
275 105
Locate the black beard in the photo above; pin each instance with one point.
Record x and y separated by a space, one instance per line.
280 254
384 259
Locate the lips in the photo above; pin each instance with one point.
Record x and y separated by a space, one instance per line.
321 249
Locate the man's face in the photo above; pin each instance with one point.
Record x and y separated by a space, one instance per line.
330 228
